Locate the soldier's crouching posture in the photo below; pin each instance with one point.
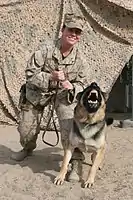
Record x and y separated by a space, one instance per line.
56 62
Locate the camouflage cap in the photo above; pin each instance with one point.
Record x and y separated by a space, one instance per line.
74 21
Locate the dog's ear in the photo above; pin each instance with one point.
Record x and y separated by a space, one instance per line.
105 95
79 95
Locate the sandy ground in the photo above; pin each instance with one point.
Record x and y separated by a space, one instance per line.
32 179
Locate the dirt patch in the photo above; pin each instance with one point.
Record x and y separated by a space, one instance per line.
32 179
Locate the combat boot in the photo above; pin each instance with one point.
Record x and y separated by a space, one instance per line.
21 155
75 173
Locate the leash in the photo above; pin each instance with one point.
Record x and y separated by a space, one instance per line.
49 120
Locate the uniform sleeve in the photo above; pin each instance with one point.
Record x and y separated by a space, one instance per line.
35 71
81 81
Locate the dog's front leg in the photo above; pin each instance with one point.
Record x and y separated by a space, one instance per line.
96 162
93 156
67 157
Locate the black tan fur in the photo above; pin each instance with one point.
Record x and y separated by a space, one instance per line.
88 132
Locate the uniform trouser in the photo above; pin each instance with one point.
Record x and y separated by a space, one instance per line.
30 119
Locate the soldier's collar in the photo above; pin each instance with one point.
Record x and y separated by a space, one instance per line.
70 59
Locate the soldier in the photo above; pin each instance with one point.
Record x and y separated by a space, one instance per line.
54 63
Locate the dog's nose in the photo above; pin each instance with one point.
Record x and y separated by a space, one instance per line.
93 84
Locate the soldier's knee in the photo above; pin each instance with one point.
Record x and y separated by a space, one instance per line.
27 133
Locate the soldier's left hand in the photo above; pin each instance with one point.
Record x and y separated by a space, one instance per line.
67 85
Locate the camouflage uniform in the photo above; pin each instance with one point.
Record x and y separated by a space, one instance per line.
37 76
39 67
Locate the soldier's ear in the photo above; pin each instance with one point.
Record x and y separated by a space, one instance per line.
79 95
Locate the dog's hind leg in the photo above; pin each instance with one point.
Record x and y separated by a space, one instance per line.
67 157
98 158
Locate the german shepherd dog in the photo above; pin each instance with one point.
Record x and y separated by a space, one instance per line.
88 132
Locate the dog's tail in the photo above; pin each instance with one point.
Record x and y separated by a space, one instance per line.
109 121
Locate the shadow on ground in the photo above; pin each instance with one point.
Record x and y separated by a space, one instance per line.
42 160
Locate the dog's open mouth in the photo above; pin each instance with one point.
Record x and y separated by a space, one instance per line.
93 98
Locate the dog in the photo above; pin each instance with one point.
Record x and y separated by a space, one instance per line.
88 132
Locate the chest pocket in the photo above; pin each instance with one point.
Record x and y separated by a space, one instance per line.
52 63
73 71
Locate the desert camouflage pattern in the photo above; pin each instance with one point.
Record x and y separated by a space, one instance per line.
24 25
41 63
74 21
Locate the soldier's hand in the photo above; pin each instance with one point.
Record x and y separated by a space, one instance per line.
57 76
67 85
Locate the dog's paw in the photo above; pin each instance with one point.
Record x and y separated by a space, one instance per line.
88 184
59 180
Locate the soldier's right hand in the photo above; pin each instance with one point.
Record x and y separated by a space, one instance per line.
57 76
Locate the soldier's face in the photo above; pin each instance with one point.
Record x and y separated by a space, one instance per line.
71 35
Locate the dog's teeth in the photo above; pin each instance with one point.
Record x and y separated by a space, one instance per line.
90 101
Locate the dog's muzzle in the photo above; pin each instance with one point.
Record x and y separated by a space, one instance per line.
93 99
